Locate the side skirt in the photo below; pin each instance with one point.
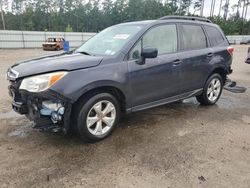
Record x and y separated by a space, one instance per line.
165 101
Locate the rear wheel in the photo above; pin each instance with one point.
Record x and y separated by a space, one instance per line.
211 91
98 117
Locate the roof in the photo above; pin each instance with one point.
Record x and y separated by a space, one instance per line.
143 22
190 19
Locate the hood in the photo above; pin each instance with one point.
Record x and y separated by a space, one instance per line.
58 62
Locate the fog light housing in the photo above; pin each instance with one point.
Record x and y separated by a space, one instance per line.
53 109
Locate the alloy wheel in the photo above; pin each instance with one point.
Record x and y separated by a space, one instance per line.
101 118
214 90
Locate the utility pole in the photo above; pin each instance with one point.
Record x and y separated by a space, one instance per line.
1 8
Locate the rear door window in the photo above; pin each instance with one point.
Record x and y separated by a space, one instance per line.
214 35
192 37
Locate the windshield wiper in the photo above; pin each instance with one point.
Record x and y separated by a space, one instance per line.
85 53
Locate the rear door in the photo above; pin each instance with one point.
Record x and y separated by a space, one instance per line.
219 45
195 56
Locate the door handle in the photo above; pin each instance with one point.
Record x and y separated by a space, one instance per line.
210 54
177 62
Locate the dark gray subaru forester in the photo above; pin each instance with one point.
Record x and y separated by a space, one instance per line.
125 68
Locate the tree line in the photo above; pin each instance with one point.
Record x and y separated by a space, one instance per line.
95 15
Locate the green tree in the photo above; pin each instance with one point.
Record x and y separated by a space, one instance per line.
94 15
69 28
28 17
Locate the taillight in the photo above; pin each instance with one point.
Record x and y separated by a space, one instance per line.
230 50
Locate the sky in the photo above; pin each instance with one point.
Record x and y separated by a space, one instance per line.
207 7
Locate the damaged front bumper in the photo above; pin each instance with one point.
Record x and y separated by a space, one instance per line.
48 110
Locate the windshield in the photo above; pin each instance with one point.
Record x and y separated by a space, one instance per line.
51 40
109 41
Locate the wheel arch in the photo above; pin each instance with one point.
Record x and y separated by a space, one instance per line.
111 89
221 71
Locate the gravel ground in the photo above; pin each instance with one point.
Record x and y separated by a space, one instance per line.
175 145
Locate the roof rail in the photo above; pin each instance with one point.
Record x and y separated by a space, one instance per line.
186 18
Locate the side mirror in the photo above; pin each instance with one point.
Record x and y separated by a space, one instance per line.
149 53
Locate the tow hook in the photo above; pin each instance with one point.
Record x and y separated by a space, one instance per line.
232 87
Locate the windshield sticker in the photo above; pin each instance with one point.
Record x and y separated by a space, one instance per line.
108 52
121 36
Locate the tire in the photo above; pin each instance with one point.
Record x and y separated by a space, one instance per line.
92 110
211 91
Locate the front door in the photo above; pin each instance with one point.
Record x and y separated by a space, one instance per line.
157 78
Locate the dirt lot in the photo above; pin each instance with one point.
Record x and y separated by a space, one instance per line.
176 145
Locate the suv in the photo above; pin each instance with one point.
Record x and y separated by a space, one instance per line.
125 68
245 41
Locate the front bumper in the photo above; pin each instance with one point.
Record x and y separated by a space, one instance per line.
20 108
48 110
49 47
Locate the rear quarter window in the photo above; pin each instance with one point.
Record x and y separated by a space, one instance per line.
192 37
214 35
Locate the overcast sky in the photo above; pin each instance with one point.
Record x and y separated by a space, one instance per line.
207 7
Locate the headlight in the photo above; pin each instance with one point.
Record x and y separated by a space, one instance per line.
41 82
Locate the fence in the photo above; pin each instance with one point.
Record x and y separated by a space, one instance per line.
236 39
34 39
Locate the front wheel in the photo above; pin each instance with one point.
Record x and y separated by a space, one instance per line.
98 117
211 91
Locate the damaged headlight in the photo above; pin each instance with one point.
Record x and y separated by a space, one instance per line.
41 82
